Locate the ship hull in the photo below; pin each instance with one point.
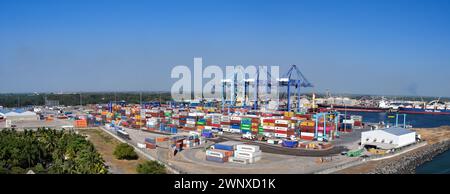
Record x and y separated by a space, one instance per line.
354 108
423 111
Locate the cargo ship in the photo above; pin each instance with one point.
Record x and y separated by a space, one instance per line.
424 111
434 107
354 108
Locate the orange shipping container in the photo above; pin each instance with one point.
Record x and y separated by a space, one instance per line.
162 139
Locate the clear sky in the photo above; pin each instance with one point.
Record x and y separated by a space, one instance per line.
397 47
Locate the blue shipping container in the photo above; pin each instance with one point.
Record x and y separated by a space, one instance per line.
223 147
235 126
214 159
150 140
290 144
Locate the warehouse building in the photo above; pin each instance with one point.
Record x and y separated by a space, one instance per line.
19 115
388 138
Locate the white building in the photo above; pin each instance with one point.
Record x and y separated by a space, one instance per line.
19 115
388 138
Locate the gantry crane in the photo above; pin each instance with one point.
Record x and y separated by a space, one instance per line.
294 78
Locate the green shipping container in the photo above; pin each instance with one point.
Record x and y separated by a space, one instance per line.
246 125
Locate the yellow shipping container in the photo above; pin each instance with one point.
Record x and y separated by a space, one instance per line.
308 123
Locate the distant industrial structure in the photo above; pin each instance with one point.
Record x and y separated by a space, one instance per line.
51 103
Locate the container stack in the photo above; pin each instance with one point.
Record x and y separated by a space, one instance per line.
182 119
357 120
207 133
307 130
191 141
150 143
201 123
235 124
284 128
225 123
177 142
215 121
246 154
256 123
246 125
218 155
191 121
82 123
222 151
268 127
152 124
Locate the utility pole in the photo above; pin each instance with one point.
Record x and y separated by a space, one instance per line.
81 101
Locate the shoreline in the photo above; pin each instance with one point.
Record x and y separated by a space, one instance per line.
438 142
407 163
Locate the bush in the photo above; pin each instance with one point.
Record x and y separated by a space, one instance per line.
151 167
124 151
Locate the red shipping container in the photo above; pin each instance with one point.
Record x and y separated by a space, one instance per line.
289 132
150 145
307 138
281 125
269 120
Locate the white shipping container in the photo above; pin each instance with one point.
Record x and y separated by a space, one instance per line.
190 122
245 154
306 134
268 127
215 153
348 121
285 122
236 118
235 130
238 160
141 145
226 129
281 128
268 134
248 148
281 135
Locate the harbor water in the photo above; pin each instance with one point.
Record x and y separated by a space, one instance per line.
441 163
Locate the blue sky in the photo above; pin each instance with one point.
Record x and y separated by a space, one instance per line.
397 47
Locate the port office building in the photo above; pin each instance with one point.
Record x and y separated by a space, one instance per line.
388 138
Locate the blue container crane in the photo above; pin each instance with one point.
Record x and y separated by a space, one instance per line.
294 78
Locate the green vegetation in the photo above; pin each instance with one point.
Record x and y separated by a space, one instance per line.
124 151
19 100
151 167
48 151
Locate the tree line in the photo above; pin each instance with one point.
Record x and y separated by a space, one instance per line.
34 99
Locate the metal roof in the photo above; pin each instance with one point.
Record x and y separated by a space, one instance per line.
397 131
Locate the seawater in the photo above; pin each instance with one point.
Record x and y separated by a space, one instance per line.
441 163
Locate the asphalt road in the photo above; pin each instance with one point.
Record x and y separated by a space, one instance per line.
286 151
